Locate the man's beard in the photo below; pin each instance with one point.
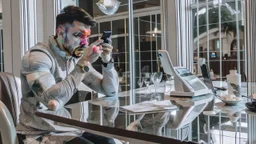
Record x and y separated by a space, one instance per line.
75 50
78 51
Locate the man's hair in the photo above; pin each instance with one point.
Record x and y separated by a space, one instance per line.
72 13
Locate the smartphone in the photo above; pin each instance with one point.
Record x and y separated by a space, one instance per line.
105 36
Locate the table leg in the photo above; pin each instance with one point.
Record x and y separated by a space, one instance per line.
208 127
198 129
220 127
240 130
235 133
101 115
126 117
190 132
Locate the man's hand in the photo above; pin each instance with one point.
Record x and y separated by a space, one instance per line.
53 105
91 53
106 54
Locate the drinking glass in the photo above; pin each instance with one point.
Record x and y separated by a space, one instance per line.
146 80
156 78
168 83
140 82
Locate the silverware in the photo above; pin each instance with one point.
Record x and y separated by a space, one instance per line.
249 97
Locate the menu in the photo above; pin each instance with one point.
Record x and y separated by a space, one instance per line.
150 106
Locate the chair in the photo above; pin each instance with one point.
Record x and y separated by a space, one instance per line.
7 128
10 97
10 94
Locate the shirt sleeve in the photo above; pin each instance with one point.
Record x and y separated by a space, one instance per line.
106 83
36 67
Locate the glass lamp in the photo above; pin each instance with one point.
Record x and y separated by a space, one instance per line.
108 7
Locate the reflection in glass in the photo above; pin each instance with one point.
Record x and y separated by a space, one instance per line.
104 111
219 37
156 78
140 82
147 81
147 19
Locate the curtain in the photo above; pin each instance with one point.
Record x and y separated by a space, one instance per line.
250 34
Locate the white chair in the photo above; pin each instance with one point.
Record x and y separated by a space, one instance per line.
7 128
10 94
10 97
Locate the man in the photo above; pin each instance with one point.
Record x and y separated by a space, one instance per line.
51 73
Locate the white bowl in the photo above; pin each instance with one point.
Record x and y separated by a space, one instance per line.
230 100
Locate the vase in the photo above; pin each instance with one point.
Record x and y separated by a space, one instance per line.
234 83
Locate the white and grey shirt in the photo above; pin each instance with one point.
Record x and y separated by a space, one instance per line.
47 73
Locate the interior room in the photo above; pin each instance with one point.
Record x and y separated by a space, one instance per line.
127 71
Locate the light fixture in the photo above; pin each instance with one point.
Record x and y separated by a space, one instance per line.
154 32
108 7
216 2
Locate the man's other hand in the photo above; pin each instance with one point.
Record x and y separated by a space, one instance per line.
91 53
106 54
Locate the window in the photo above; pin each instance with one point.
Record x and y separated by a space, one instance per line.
218 34
147 38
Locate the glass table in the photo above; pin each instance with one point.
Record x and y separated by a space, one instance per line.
202 119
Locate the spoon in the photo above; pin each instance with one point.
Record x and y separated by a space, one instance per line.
249 97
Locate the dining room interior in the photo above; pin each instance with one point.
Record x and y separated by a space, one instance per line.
185 70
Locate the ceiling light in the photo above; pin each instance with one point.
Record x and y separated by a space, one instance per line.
154 32
108 7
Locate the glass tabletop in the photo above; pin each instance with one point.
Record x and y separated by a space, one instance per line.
203 119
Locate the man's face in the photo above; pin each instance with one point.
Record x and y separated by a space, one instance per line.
74 37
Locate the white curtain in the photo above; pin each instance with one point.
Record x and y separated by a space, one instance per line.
185 33
250 32
177 31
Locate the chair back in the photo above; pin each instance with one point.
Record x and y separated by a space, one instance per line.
7 128
10 94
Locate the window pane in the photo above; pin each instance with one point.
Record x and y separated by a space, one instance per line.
94 30
118 27
139 4
218 46
105 26
145 23
147 37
